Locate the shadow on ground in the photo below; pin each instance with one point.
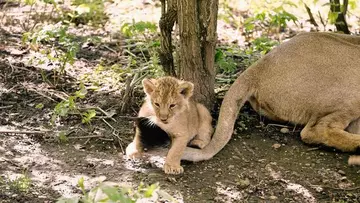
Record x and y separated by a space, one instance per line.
260 164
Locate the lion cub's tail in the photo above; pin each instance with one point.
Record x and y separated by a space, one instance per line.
234 99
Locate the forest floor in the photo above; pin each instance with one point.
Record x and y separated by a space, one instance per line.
263 162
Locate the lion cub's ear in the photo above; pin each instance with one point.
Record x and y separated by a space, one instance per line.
149 85
186 89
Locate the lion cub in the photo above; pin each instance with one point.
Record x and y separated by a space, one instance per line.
168 104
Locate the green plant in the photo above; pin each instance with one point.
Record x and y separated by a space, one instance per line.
147 48
275 19
86 12
69 106
116 194
138 28
56 43
262 45
19 184
269 16
226 64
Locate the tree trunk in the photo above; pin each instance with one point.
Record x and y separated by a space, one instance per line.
197 20
166 24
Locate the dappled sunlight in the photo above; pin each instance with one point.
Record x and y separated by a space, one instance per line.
71 87
45 171
154 158
299 189
99 162
227 193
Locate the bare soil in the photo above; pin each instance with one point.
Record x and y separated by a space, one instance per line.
263 162
260 163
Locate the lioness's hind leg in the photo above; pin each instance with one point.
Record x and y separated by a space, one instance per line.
330 132
205 128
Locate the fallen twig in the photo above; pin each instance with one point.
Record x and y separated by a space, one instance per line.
110 49
6 107
41 94
23 132
86 137
107 115
115 133
312 149
278 125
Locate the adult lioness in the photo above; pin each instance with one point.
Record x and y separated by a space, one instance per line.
168 105
313 79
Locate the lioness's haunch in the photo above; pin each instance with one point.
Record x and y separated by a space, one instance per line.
169 105
313 79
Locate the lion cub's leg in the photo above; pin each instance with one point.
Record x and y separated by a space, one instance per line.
134 149
330 131
205 131
173 158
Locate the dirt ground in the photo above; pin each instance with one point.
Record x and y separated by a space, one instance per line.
260 164
263 162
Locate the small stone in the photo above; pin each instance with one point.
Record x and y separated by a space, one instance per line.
231 166
235 157
272 197
341 172
276 146
307 164
171 179
216 175
284 130
243 183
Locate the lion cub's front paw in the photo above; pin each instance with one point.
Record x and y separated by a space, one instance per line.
173 169
132 152
199 143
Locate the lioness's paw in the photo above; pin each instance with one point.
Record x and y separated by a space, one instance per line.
132 152
173 169
199 143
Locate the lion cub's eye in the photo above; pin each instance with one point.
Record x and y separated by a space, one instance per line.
157 104
172 106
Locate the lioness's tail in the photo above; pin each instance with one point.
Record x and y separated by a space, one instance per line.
234 99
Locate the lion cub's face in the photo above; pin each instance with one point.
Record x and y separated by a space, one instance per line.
168 96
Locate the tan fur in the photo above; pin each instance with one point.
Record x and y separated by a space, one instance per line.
168 104
313 79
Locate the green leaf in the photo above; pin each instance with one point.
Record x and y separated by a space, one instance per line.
39 106
333 16
83 8
81 185
219 55
150 190
114 194
352 4
62 137
87 116
30 2
82 92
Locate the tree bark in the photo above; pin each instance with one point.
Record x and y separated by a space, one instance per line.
197 21
166 24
